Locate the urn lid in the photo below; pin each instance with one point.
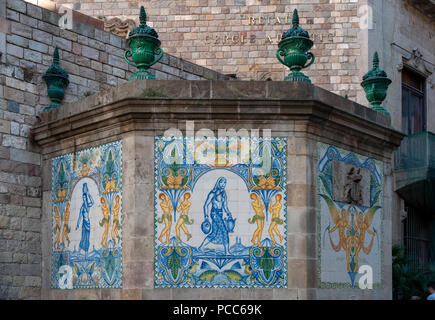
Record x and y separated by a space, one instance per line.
296 30
55 69
143 30
375 72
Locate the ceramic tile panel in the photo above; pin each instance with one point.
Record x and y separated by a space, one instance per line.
87 218
220 213
350 218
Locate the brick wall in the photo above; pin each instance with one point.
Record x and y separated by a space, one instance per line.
94 60
196 29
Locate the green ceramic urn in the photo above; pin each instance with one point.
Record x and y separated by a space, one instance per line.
375 84
56 79
294 48
144 46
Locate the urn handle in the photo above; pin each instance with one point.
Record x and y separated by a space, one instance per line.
128 54
279 53
310 55
158 51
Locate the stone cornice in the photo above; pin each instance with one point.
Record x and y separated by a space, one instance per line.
154 106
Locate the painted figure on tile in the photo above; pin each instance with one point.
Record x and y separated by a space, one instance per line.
84 218
215 205
57 227
90 179
258 207
166 217
363 225
105 221
115 225
66 229
341 224
276 220
183 209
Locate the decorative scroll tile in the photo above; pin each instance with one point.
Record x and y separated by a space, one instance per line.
87 218
220 222
350 227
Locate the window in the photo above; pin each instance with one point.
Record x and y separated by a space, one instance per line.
413 102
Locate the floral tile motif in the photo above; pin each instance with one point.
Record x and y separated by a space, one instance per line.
87 218
220 213
350 218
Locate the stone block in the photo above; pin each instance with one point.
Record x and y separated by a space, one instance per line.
14 50
12 15
14 141
15 223
285 294
25 156
32 281
30 224
138 275
90 53
5 257
38 46
255 294
156 294
19 6
19 258
51 17
117 62
302 273
18 40
31 22
301 245
5 127
42 36
34 11
21 29
32 202
138 248
4 222
185 294
131 294
15 211
62 43
32 56
115 40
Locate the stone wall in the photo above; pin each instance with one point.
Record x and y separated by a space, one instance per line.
209 33
345 32
94 61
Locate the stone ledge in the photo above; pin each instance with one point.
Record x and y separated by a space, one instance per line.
163 90
243 102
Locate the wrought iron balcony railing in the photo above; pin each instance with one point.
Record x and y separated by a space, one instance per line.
414 165
416 151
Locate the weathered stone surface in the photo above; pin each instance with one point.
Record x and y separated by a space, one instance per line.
348 190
